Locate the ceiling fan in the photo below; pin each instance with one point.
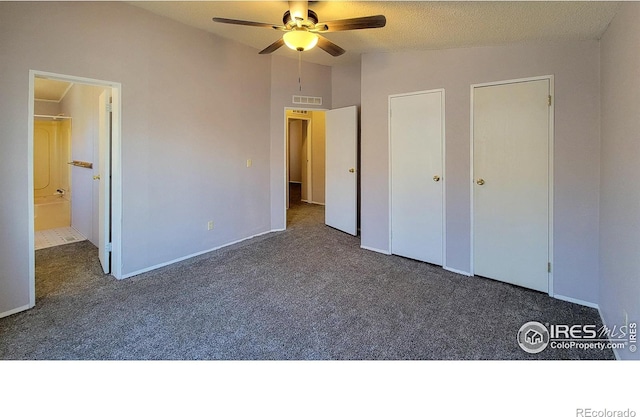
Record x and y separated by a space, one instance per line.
302 30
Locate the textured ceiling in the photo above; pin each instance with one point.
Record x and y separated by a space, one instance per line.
411 25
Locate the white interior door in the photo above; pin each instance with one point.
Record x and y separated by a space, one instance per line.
341 184
511 182
104 169
416 135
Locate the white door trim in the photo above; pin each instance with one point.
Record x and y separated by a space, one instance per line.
104 184
444 167
551 148
116 170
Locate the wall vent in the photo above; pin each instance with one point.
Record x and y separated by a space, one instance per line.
315 101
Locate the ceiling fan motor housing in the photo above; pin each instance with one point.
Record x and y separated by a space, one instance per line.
311 17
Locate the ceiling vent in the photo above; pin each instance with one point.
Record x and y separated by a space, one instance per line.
314 101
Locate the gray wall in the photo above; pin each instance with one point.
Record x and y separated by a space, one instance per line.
187 97
620 190
345 85
575 66
316 82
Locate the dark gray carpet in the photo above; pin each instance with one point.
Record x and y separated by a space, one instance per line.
307 293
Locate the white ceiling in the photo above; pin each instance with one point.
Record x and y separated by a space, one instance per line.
411 25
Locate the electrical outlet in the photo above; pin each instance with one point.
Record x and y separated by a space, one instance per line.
210 225
249 163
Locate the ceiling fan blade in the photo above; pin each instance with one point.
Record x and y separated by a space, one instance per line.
273 47
369 22
245 23
329 47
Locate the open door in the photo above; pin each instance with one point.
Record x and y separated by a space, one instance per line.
104 177
341 186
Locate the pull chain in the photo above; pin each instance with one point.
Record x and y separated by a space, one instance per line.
300 70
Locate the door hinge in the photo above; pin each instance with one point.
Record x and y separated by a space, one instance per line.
549 100
108 247
549 267
109 107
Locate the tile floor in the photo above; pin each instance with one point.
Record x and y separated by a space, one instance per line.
56 237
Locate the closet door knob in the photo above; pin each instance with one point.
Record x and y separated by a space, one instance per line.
436 178
96 177
480 182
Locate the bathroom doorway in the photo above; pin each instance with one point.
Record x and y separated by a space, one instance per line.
74 174
52 172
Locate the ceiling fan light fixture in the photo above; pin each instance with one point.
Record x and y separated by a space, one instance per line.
300 40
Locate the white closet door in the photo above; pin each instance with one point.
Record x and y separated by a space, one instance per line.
511 182
416 135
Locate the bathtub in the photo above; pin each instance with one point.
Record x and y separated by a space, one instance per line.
51 212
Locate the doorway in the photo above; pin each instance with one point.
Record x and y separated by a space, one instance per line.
299 161
92 167
512 193
333 165
305 157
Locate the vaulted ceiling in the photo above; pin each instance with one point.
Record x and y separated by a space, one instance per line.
411 25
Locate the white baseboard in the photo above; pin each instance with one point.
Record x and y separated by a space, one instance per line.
576 301
384 252
15 311
184 258
457 271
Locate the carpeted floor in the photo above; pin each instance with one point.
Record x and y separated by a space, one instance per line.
307 293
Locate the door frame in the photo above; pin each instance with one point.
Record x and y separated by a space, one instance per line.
285 178
550 78
116 170
444 167
104 184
